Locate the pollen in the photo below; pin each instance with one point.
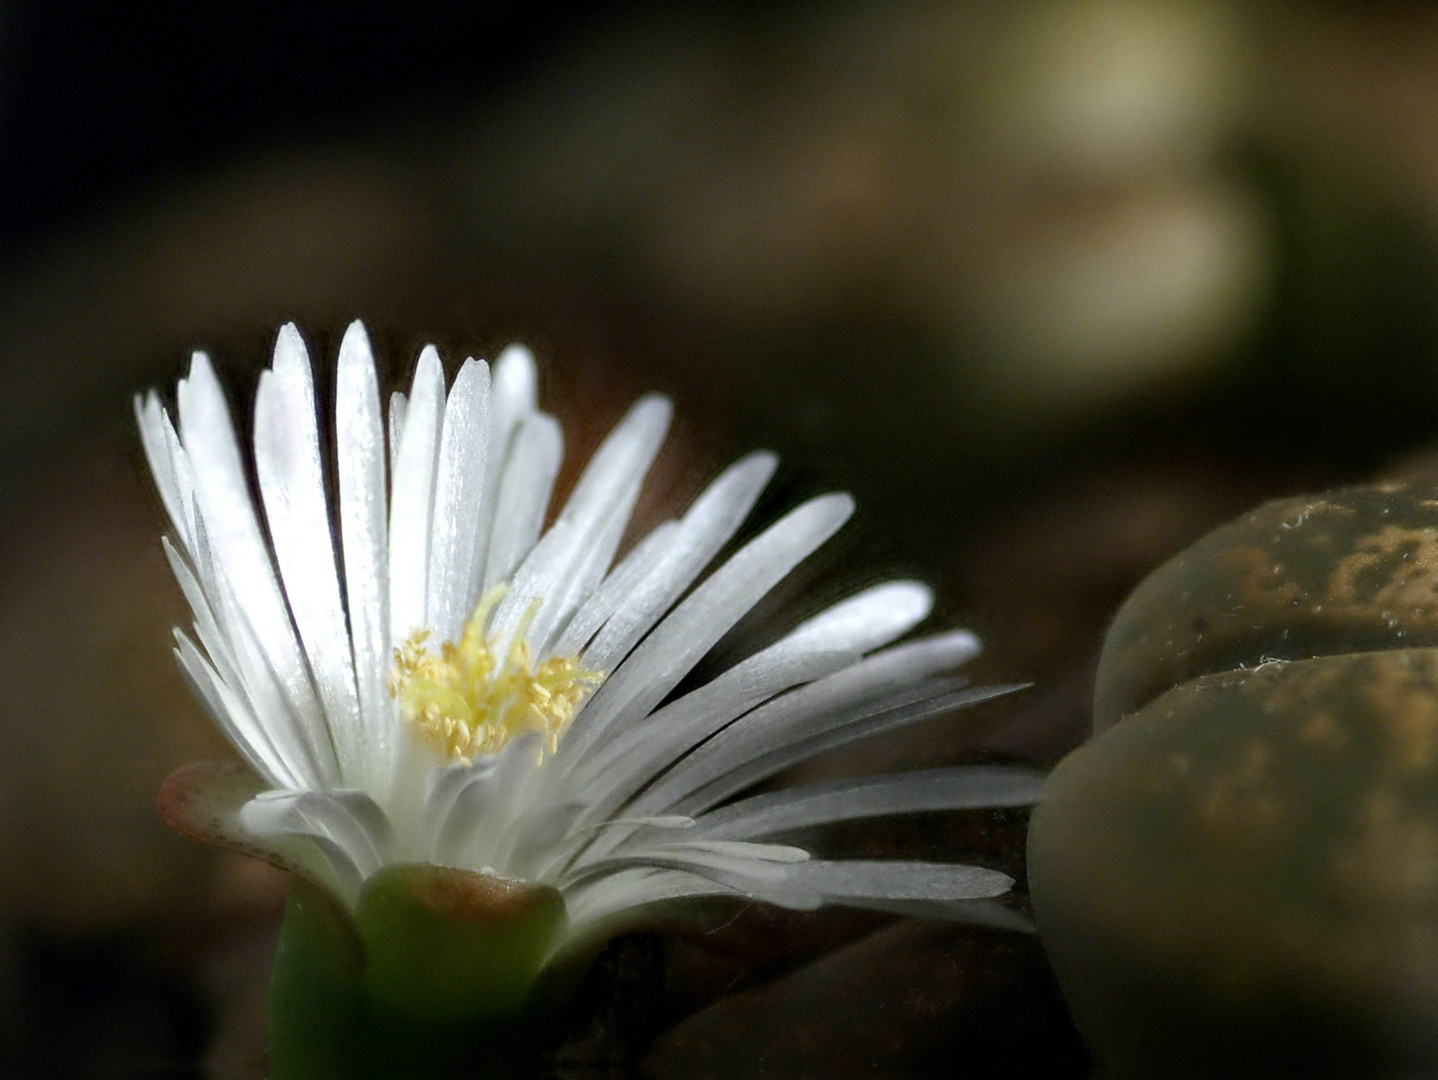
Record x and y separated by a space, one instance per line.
468 702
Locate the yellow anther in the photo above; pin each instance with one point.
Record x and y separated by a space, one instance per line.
467 704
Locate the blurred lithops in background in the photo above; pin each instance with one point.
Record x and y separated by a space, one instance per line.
1053 286
1237 876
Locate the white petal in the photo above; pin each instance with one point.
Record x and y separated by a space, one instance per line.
516 388
855 881
485 805
541 839
625 763
623 457
287 460
184 475
218 648
573 557
443 784
246 670
587 573
229 517
824 644
707 526
150 416
412 497
458 490
762 871
523 494
963 788
616 589
346 818
486 822
732 769
739 849
231 716
360 456
667 822
691 630
888 679
870 619
602 907
398 404
514 396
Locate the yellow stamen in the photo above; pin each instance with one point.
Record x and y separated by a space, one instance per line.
467 704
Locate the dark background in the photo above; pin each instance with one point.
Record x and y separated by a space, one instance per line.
1054 288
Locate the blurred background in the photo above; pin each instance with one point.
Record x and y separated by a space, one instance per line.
1054 286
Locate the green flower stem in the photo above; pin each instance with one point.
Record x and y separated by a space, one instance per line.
429 977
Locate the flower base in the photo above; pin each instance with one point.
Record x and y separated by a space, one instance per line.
429 978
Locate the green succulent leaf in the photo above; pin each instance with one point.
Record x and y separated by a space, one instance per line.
448 945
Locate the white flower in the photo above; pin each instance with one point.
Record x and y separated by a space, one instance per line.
454 688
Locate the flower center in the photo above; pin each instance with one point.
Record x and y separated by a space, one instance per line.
467 702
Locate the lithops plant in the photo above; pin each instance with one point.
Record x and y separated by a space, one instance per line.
1238 876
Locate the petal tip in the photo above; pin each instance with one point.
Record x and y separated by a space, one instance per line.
355 346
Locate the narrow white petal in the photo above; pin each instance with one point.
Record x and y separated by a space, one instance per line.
184 475
522 496
602 907
360 456
818 647
346 818
249 674
412 497
870 619
707 526
231 716
732 769
616 589
667 822
483 806
398 404
855 881
514 397
691 630
626 762
754 873
473 809
962 788
625 452
150 416
224 500
516 387
738 849
572 558
490 834
442 785
889 679
287 460
217 646
631 888
587 572
323 859
541 840
458 489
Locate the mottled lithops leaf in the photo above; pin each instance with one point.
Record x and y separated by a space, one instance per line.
1241 878
1238 876
1352 570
